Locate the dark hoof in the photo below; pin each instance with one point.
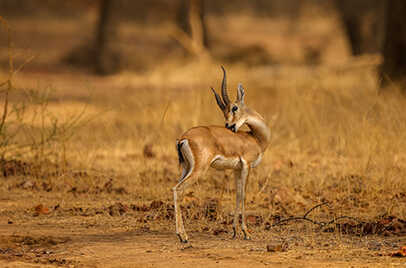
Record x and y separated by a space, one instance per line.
184 241
246 236
234 234
186 246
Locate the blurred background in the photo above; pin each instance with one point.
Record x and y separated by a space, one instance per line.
105 36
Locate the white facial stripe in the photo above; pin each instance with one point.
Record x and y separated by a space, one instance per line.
239 124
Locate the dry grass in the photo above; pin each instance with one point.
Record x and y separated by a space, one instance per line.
331 133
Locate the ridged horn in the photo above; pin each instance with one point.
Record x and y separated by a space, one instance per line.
224 88
218 99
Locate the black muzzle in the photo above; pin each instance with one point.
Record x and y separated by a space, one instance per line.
231 127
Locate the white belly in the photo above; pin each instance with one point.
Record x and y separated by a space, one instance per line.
257 161
221 162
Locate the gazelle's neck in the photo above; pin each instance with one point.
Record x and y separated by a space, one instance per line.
259 129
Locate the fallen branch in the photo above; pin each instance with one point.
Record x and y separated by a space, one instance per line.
319 223
363 227
303 218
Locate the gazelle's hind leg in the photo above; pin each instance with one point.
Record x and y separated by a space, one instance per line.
189 173
178 190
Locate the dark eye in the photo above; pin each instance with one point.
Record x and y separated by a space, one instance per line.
234 109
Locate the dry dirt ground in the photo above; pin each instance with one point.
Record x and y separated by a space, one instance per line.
126 236
102 198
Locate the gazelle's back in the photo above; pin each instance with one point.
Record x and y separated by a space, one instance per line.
216 140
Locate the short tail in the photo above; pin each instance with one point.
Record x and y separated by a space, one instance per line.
180 155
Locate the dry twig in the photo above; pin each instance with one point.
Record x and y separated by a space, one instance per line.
319 223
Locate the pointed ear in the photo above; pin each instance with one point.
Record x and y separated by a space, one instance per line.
240 94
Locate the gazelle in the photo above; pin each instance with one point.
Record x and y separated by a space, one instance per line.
222 148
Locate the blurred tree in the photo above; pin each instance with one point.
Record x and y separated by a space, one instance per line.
363 24
393 67
100 53
107 58
191 18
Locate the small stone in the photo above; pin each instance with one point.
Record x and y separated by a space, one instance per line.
282 247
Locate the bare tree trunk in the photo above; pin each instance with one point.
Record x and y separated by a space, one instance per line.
184 20
107 58
393 67
363 24
353 30
100 53
182 16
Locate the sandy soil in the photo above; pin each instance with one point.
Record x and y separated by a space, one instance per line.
74 237
77 247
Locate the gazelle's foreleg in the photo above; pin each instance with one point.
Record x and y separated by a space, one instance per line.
241 176
237 174
245 170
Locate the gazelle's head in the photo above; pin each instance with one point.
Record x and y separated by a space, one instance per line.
235 113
